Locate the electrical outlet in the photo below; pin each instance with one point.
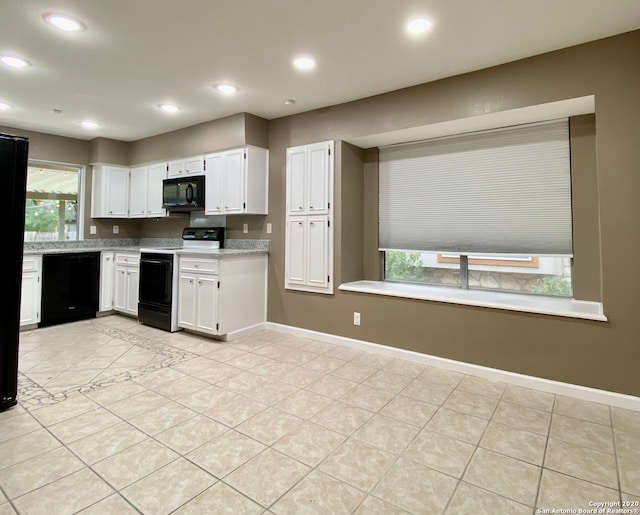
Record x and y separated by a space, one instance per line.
116 229
245 228
356 318
92 229
269 228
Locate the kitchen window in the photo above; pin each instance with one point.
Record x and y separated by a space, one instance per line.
489 210
542 275
51 212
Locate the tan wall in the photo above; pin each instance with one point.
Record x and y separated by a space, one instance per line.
110 151
595 354
52 148
205 137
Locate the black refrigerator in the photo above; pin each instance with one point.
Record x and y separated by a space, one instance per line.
13 184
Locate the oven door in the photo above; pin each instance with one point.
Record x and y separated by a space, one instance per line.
156 279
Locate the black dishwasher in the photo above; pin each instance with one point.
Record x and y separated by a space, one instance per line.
70 287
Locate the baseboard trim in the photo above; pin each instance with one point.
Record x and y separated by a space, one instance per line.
245 331
585 393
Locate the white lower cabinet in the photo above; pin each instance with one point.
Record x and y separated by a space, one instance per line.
127 280
107 271
31 290
198 287
221 296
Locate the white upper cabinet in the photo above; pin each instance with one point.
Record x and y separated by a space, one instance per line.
309 227
145 191
156 173
138 192
214 164
309 173
110 192
233 181
188 166
237 181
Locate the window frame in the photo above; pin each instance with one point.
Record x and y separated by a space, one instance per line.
81 202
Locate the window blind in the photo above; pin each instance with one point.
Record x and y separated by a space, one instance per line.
499 192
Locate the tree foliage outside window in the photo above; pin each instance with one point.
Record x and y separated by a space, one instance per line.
403 266
42 216
558 286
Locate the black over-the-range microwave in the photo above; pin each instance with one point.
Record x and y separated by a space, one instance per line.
183 193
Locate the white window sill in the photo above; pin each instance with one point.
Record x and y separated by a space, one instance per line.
488 299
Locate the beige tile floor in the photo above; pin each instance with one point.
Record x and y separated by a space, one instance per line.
116 417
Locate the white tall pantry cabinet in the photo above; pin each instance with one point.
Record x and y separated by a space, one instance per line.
309 223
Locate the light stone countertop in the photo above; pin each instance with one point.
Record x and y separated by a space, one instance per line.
233 247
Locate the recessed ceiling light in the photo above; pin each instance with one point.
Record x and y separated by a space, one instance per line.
4 106
14 62
419 25
89 124
169 108
289 102
304 63
66 23
227 89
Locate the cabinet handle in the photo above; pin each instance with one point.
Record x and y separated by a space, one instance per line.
299 208
199 282
299 223
217 207
310 223
310 207
195 265
190 281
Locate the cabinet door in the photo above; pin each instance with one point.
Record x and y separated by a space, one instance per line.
256 181
155 175
120 296
207 303
133 284
138 192
318 178
317 252
295 263
187 300
175 168
213 184
106 281
194 165
118 188
296 179
233 181
30 299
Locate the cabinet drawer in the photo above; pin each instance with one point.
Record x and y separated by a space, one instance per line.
199 265
30 264
128 259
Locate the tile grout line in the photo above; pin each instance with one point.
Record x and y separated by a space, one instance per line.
323 374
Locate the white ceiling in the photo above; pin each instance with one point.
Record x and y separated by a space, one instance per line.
136 54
